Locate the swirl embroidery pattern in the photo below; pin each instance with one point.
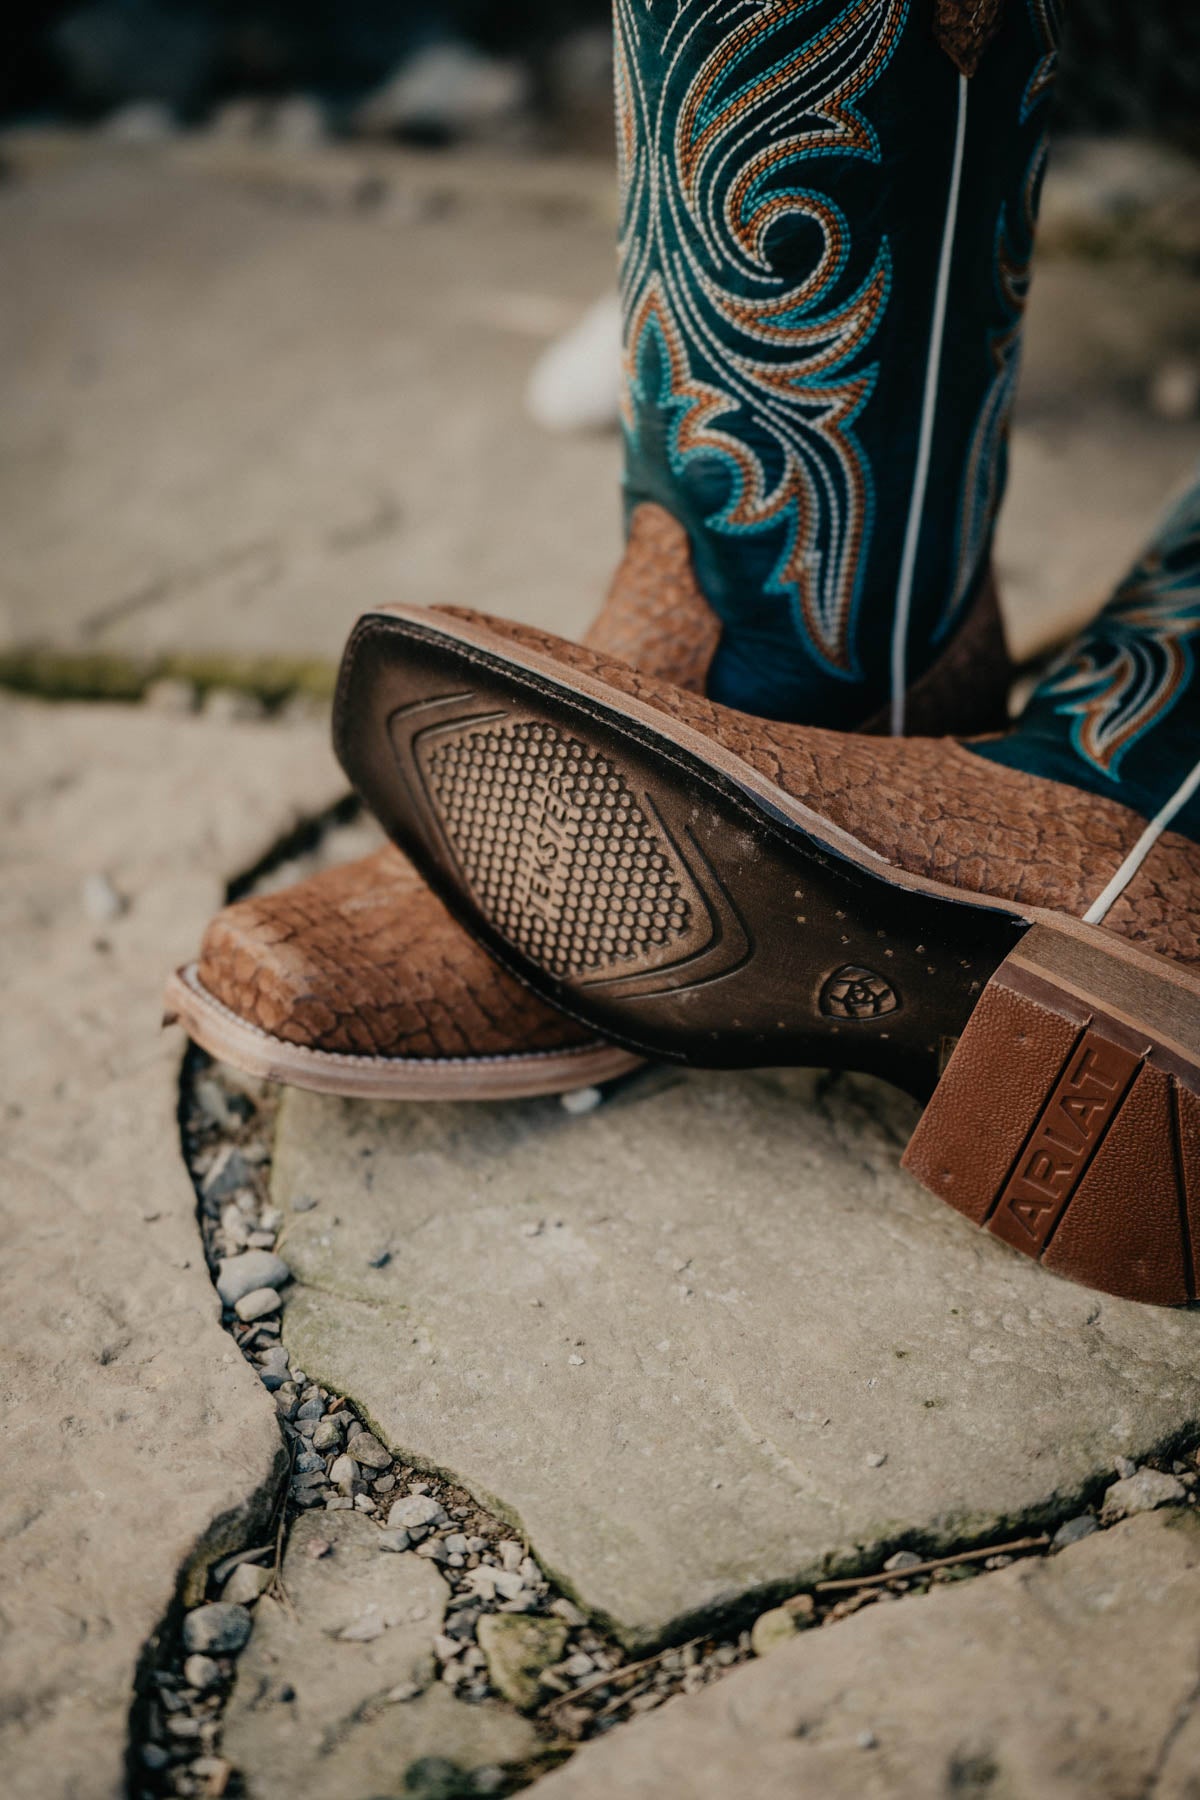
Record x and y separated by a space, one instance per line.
756 366
1129 670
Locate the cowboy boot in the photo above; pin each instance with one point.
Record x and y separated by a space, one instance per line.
1009 925
358 981
826 230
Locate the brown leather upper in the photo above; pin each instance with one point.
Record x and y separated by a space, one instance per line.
364 960
933 808
655 616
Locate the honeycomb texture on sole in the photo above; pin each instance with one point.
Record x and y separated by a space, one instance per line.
558 854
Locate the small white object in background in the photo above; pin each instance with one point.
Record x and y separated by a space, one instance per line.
581 1100
140 122
448 87
575 385
101 901
1174 390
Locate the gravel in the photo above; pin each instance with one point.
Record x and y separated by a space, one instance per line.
504 1630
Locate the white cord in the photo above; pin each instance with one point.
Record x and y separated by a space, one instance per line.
912 534
1141 850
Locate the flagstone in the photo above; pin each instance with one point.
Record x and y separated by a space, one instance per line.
708 1340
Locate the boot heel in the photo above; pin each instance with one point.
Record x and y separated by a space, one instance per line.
1067 1119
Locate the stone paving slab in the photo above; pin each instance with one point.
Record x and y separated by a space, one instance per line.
1073 1678
319 1706
132 1426
232 421
707 1339
246 395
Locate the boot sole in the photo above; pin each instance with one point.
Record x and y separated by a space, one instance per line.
524 1075
658 888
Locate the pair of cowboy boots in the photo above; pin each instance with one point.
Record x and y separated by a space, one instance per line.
596 863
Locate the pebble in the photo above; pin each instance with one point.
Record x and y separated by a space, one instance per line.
1140 1493
310 1480
491 1583
1125 1468
771 1629
328 1435
257 1304
875 1459
220 1571
415 1509
229 706
903 1559
246 1583
517 1651
308 1461
241 1275
214 1770
219 1627
313 1409
364 1503
201 1672
342 1471
219 1106
1073 1530
394 1540
228 1175
303 1203
370 1452
566 1609
101 901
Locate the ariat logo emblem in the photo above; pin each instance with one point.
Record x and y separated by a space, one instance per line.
550 837
1089 1093
855 993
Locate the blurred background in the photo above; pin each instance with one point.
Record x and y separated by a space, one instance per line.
305 307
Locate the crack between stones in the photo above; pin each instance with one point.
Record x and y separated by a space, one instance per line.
614 1689
1170 1738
